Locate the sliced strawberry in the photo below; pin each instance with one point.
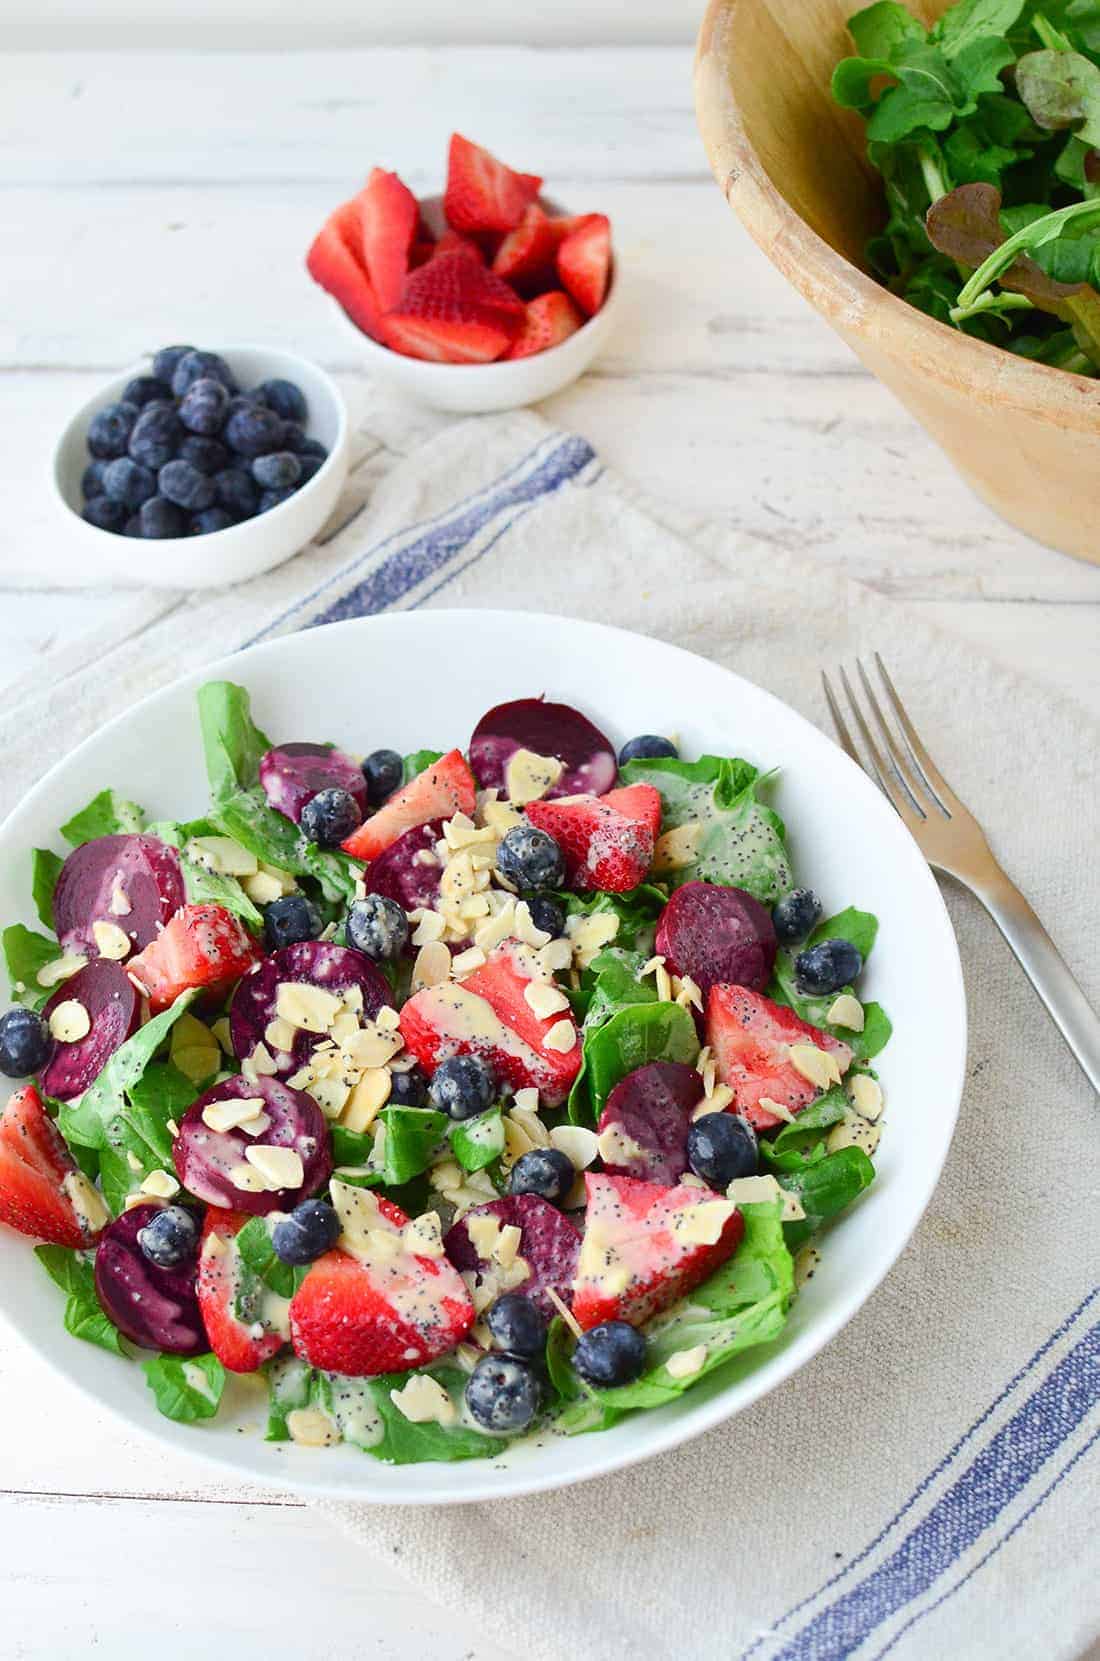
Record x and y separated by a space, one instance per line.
453 242
440 342
551 318
203 945
584 262
421 252
482 193
445 788
388 216
43 1192
335 261
384 1310
560 228
645 1246
527 251
453 310
751 1038
235 1344
607 840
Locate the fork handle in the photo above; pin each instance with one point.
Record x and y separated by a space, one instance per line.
1047 971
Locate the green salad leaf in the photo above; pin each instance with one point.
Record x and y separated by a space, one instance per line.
45 870
825 1187
475 1143
418 762
232 742
253 1242
25 953
291 1385
861 928
84 1317
412 1136
1061 89
186 1388
802 1141
203 886
631 1038
401 1442
107 814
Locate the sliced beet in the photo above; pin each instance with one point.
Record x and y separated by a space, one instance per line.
402 876
101 878
651 1111
317 962
156 1308
292 774
549 730
550 1244
205 1159
114 1008
719 936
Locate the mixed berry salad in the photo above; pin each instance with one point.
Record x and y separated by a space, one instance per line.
463 1096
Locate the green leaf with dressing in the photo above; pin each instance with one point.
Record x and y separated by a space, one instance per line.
861 928
246 816
291 1385
186 1388
405 1443
25 953
826 1187
253 1242
636 1035
412 1136
45 870
202 886
803 1140
475 1143
114 1112
107 814
84 1317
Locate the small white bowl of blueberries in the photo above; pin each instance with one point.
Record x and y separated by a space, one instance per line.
230 461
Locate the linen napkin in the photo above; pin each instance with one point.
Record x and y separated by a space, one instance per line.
924 1487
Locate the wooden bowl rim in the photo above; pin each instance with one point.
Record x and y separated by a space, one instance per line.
854 302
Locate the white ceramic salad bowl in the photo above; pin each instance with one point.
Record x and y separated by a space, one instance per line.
337 683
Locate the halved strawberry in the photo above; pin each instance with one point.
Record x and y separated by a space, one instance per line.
421 252
203 945
235 1344
453 310
388 215
551 318
607 840
335 261
751 1037
438 341
453 242
528 251
584 262
384 1310
43 1192
445 788
646 1245
482 193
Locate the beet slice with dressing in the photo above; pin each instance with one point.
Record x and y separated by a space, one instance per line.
114 1009
550 1244
549 730
292 774
134 882
154 1307
648 1116
400 875
206 1159
719 936
316 962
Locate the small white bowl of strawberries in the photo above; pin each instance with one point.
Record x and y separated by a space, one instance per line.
485 298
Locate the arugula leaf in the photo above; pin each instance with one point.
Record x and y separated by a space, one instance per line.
232 743
186 1388
475 1143
115 1112
84 1317
634 1036
741 841
24 954
107 814
45 870
969 22
879 29
825 1187
418 761
412 1136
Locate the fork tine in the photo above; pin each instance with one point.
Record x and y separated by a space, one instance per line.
901 765
847 743
921 759
897 799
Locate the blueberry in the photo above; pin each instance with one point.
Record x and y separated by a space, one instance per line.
408 1089
109 430
795 915
290 920
146 389
610 1354
167 361
310 466
210 519
91 480
826 968
183 484
156 436
330 816
378 926
294 438
128 482
24 1043
720 1148
170 1237
518 1326
253 430
462 1086
284 398
647 747
105 513
199 366
274 498
546 915
503 1394
132 526
236 492
531 858
204 453
313 447
278 471
312 1229
204 406
161 519
383 771
546 1172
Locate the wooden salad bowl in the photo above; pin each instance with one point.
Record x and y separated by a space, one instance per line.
793 167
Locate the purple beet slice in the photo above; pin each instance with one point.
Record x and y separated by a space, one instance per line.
114 1009
104 877
400 875
206 1159
156 1308
550 1244
651 1111
292 774
719 936
317 962
549 730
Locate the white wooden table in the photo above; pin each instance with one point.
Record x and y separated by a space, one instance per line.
149 199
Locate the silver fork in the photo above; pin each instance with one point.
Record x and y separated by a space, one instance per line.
952 841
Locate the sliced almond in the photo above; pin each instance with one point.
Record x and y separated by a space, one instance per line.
561 1038
423 1400
579 1144
309 1008
866 1094
544 999
70 1022
686 1363
62 968
846 1011
528 776
161 1184
279 1167
432 965
817 1066
370 1095
111 941
465 963
232 1113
